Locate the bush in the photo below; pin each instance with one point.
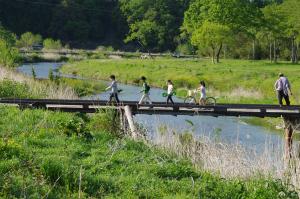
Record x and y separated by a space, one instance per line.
51 44
108 121
12 89
9 55
28 39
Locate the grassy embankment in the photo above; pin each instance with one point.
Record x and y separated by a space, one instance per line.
232 81
60 155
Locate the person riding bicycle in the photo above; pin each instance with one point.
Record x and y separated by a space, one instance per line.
202 90
170 92
114 89
146 92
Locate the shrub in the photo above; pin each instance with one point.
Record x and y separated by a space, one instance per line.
9 55
28 39
108 121
12 89
51 44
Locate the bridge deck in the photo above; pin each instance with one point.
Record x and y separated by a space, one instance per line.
92 106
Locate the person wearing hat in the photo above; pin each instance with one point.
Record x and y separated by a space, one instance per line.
283 88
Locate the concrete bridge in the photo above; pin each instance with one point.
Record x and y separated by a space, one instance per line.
290 114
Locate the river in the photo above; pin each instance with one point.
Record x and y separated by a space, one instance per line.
230 130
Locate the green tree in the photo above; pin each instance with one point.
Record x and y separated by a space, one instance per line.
28 39
52 44
8 53
291 10
238 15
273 30
211 35
153 23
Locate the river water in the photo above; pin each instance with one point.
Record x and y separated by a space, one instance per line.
227 129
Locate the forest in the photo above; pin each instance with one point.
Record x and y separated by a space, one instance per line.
246 29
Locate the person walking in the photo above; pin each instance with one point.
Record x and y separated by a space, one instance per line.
114 89
146 92
202 90
170 91
283 88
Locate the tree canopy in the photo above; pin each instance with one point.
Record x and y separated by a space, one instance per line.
259 28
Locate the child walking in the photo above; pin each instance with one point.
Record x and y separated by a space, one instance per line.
146 92
170 91
114 89
202 90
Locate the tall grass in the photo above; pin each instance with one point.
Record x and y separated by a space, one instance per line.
232 161
60 155
34 88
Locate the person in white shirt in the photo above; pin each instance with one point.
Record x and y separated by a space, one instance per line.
114 89
202 90
283 88
170 91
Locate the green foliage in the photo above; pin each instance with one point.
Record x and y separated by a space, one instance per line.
39 156
51 75
83 87
51 44
28 39
9 55
33 72
108 121
12 89
211 35
154 24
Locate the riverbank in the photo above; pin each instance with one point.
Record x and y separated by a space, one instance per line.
61 155
232 81
16 85
70 156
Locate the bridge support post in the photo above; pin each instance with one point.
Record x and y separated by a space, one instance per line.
289 127
129 117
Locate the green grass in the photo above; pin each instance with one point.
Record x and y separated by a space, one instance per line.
42 155
84 87
235 81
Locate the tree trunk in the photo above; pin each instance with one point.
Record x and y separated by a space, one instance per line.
274 50
224 51
219 52
270 52
293 53
297 52
253 49
213 55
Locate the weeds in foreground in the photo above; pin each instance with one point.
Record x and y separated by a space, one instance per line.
38 159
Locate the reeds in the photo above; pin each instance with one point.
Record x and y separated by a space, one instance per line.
232 160
39 88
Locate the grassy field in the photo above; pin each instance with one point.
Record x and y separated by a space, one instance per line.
235 81
59 155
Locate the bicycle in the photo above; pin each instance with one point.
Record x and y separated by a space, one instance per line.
191 99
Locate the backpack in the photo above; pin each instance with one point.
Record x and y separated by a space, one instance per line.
147 88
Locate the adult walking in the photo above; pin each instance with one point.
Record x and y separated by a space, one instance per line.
146 92
114 89
283 89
